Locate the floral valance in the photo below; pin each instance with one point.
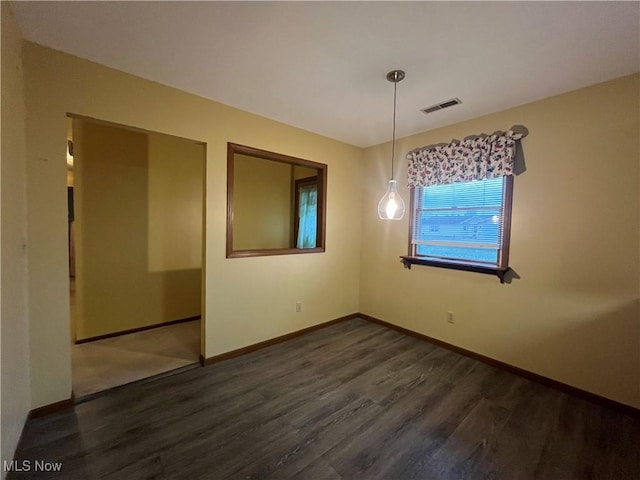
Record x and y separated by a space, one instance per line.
478 158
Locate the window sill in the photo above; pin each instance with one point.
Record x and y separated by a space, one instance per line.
467 267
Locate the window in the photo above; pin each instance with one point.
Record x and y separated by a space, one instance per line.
463 224
306 211
461 203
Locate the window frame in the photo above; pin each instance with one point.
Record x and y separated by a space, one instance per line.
500 270
234 149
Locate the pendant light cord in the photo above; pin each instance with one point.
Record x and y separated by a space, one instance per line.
393 141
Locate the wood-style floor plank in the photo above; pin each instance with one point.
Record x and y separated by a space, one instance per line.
352 401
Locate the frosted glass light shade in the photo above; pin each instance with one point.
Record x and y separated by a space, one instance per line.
391 206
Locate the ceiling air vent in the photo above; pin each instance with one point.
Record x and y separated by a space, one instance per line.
440 106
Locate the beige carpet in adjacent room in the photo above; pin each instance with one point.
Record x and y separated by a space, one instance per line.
110 362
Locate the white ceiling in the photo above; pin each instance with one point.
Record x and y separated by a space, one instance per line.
321 66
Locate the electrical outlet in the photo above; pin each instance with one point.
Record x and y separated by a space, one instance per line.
298 306
450 317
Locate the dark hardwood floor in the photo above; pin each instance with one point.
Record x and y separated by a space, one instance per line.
352 401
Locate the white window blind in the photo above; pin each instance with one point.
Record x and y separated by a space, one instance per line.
462 222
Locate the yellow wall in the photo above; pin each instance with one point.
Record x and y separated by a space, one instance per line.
573 315
248 300
14 343
120 177
303 172
261 203
176 182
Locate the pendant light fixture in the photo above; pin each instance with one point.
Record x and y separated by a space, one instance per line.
391 205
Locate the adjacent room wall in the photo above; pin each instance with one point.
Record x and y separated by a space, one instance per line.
303 172
175 196
261 203
572 313
133 206
248 300
14 327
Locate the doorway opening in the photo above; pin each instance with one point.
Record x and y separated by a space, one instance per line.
136 253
